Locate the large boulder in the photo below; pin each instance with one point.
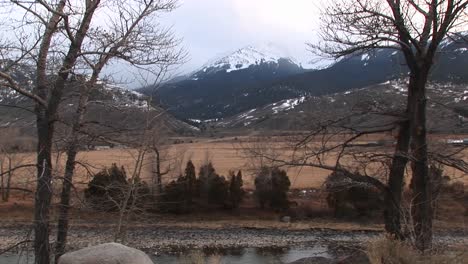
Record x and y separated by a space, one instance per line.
109 253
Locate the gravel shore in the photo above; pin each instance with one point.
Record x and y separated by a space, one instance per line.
157 238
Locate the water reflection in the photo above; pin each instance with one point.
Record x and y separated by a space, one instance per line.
216 256
244 255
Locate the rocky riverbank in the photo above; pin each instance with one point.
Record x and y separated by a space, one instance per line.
165 238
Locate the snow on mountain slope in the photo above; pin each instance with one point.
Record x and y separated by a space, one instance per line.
446 107
318 63
245 57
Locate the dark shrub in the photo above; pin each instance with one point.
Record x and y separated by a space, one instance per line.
236 192
178 195
191 181
271 188
175 198
349 198
107 189
212 187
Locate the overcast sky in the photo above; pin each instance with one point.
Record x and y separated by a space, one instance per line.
212 27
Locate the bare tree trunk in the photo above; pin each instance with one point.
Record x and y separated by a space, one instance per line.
72 150
158 171
8 181
2 184
421 209
44 188
392 198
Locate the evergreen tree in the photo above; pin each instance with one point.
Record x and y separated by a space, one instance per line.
212 187
271 188
107 188
191 181
205 175
236 192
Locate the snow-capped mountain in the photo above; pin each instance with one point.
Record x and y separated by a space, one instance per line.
244 58
251 78
227 84
318 63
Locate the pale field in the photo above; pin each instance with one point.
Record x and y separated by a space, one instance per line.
225 154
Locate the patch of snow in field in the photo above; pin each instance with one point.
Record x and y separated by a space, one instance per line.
365 57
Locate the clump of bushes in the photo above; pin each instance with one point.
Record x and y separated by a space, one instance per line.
107 189
176 198
188 191
213 188
348 198
178 195
271 188
236 192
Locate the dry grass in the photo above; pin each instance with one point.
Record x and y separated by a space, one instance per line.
385 250
226 154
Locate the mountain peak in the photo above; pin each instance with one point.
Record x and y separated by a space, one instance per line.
244 57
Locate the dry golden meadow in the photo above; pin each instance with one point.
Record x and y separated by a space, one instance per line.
226 154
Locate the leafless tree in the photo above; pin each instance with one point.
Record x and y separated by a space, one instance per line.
113 44
63 38
417 29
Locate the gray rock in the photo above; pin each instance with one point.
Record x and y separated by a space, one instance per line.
285 219
109 253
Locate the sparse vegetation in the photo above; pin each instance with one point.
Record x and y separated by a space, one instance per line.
386 250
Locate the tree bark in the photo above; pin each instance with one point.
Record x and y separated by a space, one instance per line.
46 116
43 193
421 208
2 184
158 171
8 181
72 150
392 198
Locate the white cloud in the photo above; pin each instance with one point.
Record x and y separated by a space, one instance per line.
211 27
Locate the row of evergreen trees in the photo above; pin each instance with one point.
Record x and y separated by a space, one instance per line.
110 187
210 188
